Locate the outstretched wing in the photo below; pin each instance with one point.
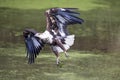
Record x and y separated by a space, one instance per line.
33 44
66 16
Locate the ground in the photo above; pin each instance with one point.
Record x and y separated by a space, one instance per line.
15 15
81 65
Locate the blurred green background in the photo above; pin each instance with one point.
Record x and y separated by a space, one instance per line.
94 56
99 31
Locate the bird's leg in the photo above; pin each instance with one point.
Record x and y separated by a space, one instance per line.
66 54
57 57
57 61
59 43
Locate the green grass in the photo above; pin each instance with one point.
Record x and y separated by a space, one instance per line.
41 4
79 66
16 15
101 17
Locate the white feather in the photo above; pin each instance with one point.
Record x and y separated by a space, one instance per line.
69 41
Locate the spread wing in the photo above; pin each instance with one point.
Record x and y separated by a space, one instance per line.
65 17
33 44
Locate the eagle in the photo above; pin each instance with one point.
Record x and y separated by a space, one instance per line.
56 34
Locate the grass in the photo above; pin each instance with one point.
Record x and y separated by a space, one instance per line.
41 4
101 17
80 66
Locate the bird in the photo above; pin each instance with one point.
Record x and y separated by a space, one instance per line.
56 34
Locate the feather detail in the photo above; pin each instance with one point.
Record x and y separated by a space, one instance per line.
66 16
33 45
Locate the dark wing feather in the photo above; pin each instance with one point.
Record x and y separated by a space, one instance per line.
71 8
33 45
65 17
70 16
